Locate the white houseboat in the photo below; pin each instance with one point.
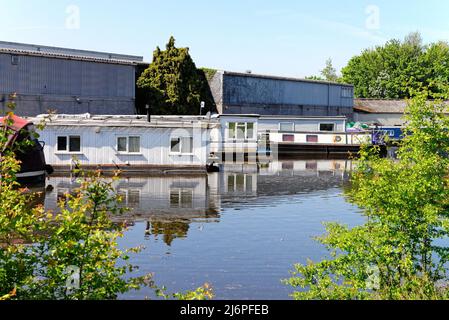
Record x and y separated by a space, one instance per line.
188 144
129 143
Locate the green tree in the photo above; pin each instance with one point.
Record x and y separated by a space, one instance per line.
399 68
400 252
173 84
329 72
315 78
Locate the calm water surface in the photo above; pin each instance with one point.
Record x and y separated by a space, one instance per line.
241 230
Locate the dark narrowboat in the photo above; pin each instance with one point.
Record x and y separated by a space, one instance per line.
33 166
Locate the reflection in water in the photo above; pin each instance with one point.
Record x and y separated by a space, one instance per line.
169 204
279 207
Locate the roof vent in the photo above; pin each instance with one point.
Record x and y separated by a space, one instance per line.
248 71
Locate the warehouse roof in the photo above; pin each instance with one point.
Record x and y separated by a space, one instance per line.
69 54
270 77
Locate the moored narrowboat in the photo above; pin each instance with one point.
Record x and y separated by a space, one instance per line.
32 160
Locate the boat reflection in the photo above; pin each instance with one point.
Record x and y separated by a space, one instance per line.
170 204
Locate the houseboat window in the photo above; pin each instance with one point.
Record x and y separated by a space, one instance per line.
62 143
250 130
128 144
241 130
74 143
312 138
181 198
288 166
134 144
231 133
240 183
287 126
187 145
70 144
249 183
183 145
231 183
134 198
327 126
288 138
312 165
121 144
175 145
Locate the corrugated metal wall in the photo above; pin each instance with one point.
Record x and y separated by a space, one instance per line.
255 90
244 94
43 83
42 75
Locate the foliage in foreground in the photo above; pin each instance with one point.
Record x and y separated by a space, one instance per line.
401 252
69 254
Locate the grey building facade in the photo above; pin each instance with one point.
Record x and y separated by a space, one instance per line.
68 81
246 93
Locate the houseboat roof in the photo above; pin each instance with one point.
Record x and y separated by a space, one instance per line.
16 123
292 117
137 121
240 115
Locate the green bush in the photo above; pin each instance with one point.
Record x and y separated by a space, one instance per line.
401 252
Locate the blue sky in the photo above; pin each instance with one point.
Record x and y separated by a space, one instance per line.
283 37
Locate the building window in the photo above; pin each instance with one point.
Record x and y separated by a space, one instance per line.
312 138
288 138
128 144
69 143
327 127
181 145
241 130
346 92
287 127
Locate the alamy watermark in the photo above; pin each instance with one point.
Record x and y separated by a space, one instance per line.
73 17
73 279
372 21
373 280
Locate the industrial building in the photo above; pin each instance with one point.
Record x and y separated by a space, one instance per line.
382 112
247 93
67 81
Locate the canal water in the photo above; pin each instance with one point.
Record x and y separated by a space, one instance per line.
240 230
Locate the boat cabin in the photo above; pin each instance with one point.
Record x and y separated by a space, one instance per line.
129 143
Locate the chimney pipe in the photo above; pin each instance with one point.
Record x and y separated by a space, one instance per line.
147 107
